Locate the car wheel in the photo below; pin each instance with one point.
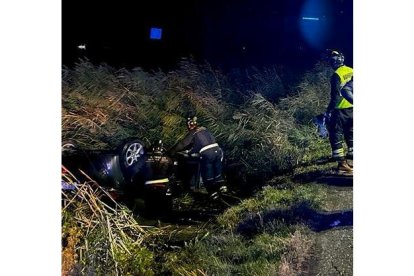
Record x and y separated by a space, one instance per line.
69 147
132 156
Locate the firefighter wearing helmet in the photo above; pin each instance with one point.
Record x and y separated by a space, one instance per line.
339 112
201 143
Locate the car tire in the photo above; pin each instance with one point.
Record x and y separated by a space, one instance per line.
68 147
132 156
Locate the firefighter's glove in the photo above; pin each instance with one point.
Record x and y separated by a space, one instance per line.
327 115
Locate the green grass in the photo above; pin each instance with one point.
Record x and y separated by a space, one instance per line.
275 246
271 198
230 254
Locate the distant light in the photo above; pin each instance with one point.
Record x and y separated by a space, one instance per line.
155 33
314 26
311 18
82 46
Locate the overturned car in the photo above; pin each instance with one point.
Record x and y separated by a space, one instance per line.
126 172
133 171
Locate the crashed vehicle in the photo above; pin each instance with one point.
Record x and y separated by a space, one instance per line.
132 171
126 172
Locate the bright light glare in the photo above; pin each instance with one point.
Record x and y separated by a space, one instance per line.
311 18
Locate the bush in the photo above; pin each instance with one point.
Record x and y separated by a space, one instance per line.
99 239
101 106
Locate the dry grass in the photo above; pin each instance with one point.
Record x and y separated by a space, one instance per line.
255 122
97 234
69 252
297 254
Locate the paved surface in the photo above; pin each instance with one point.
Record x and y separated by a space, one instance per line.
333 249
333 253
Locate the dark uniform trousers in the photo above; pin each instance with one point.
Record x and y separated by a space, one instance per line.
211 167
341 124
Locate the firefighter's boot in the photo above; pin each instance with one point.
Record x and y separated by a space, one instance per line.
344 167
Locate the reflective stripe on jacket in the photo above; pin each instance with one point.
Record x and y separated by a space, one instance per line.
202 139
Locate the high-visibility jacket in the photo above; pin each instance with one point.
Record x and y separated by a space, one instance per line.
348 91
345 74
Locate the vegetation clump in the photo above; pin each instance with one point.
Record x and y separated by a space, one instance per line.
263 134
101 237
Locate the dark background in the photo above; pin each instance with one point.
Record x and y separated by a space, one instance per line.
226 33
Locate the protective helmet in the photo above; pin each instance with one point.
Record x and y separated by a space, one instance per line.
335 58
191 122
158 147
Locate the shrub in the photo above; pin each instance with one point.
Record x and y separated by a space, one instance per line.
101 105
99 239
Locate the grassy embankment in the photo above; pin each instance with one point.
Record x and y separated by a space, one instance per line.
261 119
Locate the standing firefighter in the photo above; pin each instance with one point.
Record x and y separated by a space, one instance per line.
340 111
201 143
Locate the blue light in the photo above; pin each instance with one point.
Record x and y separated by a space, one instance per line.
310 18
314 25
155 33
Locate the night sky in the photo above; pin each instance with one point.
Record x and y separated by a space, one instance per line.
228 34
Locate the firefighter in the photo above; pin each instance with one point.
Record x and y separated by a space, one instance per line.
339 113
201 143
